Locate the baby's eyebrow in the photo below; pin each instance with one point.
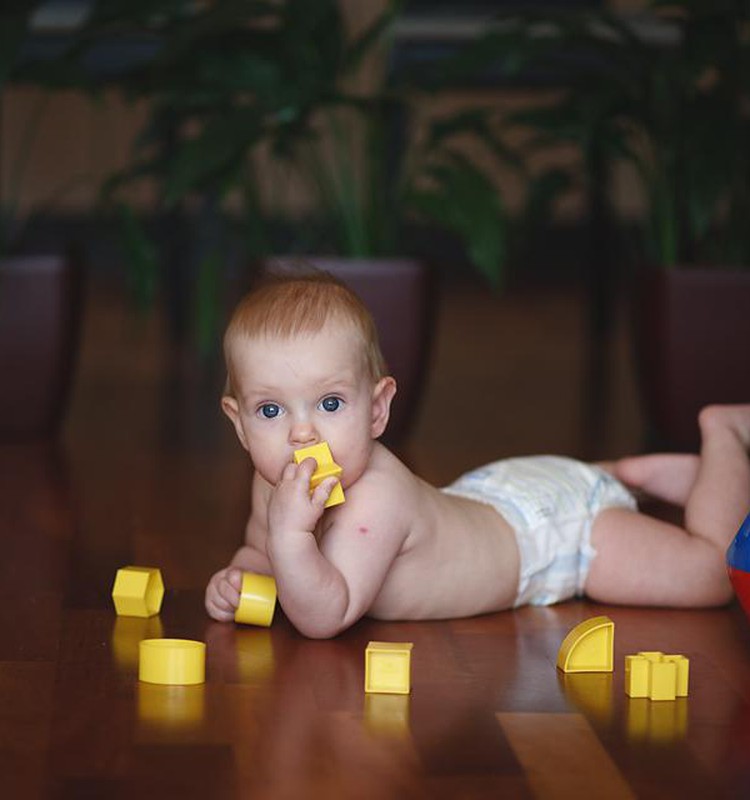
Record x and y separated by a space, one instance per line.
255 395
338 384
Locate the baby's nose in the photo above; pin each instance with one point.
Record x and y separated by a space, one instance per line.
303 433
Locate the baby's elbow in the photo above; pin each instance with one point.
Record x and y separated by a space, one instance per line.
319 629
325 626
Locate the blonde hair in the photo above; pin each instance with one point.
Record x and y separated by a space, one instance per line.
302 303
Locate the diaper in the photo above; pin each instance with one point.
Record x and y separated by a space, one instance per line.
550 502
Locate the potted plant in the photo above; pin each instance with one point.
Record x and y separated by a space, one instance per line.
668 94
40 293
234 87
223 80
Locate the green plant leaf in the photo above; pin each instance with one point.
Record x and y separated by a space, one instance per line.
462 199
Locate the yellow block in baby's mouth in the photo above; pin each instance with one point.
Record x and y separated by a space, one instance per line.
326 468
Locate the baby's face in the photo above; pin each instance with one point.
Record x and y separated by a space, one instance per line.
296 392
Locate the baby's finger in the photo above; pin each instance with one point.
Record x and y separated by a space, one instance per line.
323 491
214 598
217 607
289 472
229 595
306 468
220 615
234 578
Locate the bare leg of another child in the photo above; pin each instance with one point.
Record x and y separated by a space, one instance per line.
642 560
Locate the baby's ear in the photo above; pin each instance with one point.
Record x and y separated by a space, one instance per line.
232 409
382 397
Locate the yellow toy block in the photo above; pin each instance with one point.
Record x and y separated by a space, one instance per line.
636 676
683 673
174 662
662 683
588 647
326 468
388 667
138 591
257 600
666 676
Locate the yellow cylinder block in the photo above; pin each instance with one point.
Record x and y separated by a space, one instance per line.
257 600
172 661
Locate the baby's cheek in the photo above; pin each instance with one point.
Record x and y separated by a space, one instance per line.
267 466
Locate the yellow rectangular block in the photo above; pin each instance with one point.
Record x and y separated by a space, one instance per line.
388 667
321 452
636 676
663 680
326 468
323 472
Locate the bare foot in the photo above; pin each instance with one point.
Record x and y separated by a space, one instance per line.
734 419
664 476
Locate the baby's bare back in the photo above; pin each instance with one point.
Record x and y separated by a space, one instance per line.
459 558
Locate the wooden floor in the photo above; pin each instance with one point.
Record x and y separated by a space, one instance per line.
147 473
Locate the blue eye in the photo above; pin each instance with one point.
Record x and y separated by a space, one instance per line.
269 410
330 404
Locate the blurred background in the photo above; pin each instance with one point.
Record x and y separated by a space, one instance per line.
554 197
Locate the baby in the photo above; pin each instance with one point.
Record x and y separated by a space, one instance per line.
304 366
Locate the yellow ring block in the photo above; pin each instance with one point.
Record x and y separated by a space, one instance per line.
257 600
179 662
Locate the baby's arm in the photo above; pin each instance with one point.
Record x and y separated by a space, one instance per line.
223 590
325 589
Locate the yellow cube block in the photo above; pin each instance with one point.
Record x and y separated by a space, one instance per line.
326 468
138 591
636 676
388 667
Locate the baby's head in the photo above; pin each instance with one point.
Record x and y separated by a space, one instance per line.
286 307
304 366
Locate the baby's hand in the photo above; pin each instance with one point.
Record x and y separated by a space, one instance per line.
223 594
292 506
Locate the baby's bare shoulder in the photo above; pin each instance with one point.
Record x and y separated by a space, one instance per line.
390 480
385 493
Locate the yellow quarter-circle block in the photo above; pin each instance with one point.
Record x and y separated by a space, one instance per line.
657 676
257 600
589 647
174 662
138 591
388 667
326 468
